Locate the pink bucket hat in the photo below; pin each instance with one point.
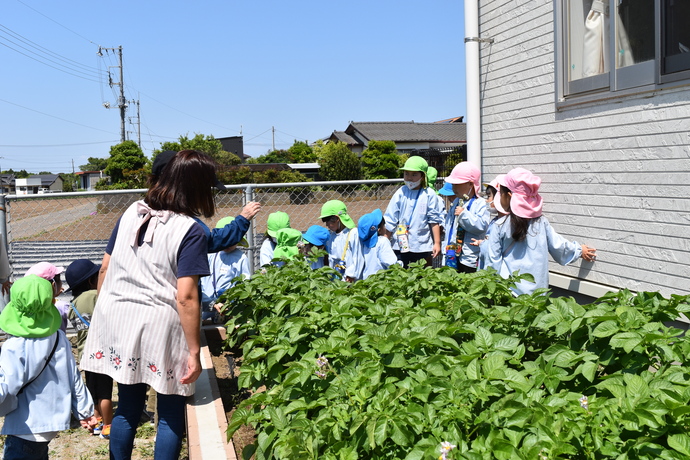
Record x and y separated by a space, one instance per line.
526 201
45 270
465 172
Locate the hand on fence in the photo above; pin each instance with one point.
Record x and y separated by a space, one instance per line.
250 210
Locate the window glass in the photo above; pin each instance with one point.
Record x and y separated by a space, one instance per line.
676 36
634 32
588 34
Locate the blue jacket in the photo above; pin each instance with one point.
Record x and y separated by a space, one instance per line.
45 405
230 235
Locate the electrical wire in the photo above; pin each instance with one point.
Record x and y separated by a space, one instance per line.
77 66
58 145
53 116
51 19
56 68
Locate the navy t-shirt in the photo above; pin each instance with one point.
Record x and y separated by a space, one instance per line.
192 256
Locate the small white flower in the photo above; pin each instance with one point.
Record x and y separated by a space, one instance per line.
446 447
584 402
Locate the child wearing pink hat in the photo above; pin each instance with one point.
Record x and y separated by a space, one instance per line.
491 194
467 219
523 239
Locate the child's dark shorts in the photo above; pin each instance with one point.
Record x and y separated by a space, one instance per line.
100 385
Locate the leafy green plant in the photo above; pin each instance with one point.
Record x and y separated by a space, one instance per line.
394 366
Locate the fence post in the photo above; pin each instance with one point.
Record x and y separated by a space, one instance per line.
249 196
3 221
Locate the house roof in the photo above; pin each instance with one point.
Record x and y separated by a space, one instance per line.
407 131
46 179
342 136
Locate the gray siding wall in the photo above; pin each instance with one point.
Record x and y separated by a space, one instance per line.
616 174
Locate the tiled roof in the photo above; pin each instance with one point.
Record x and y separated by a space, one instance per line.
342 136
409 131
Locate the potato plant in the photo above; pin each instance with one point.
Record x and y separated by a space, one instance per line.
428 363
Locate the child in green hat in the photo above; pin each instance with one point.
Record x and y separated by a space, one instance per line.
276 221
40 385
413 217
287 241
343 246
225 266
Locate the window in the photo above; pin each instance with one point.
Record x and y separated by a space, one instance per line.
615 45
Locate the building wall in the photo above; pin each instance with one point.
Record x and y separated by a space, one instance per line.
616 174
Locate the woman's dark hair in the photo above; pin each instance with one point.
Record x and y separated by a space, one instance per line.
518 225
186 186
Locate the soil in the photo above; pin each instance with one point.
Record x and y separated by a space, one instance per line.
227 367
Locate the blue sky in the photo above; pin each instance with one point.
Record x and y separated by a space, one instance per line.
217 67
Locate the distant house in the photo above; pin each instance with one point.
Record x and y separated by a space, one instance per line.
50 183
311 170
234 144
89 179
27 186
408 135
6 183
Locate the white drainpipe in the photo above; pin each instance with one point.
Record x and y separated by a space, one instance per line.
473 123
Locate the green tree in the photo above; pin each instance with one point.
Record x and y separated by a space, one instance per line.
275 156
337 161
381 160
23 174
45 172
94 164
126 156
69 181
301 152
207 144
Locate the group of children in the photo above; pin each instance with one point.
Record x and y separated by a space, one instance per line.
505 231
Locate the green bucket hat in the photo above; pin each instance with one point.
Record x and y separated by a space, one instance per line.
337 208
228 220
286 245
416 164
276 221
431 176
30 313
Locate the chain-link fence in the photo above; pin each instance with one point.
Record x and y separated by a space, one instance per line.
62 227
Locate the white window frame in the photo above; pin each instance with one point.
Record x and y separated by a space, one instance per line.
617 82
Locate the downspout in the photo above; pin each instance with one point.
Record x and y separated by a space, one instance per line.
473 124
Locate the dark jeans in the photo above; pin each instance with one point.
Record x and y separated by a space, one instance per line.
465 269
21 449
408 257
171 423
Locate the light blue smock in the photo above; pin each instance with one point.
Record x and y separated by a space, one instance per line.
531 255
45 405
224 266
380 257
418 217
475 220
346 242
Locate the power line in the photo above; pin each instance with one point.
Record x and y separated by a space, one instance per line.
79 67
56 68
51 19
57 145
53 116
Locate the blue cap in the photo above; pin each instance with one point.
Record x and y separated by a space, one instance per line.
316 235
447 189
368 228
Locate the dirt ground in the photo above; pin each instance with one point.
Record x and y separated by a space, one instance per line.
227 384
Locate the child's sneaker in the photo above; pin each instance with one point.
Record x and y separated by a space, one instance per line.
105 432
99 428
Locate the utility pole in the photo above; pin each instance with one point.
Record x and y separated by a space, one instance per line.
138 122
121 102
273 130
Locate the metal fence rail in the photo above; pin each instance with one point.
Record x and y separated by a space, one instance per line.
62 227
